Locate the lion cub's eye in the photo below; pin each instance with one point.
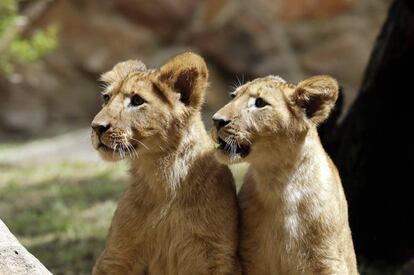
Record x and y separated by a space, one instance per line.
232 96
260 102
136 100
105 98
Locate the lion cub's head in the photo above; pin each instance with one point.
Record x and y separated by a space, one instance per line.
143 109
267 111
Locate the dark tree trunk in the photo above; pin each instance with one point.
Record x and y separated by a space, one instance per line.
374 146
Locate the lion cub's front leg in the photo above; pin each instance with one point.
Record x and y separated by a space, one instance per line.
119 256
123 251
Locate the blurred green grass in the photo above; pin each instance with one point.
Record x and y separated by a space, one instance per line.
61 211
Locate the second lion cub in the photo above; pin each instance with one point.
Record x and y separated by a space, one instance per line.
293 208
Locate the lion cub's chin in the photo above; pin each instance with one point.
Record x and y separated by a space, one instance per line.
228 158
230 153
107 155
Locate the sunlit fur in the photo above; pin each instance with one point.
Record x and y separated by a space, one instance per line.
178 215
293 208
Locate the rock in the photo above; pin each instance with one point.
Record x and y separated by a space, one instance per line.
262 41
14 258
243 45
239 39
346 50
166 18
300 9
104 39
340 45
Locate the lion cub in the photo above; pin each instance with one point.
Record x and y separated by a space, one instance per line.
294 211
179 213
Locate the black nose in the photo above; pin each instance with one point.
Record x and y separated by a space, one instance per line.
100 128
220 123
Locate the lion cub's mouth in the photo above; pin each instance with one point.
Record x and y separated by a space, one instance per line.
233 148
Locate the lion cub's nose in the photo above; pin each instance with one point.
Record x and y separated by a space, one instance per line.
100 128
220 123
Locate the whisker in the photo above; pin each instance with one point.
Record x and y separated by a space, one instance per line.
227 146
233 87
234 146
114 145
127 150
140 142
134 151
238 80
230 145
121 151
247 140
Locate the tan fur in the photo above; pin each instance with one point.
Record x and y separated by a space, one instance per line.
179 213
293 208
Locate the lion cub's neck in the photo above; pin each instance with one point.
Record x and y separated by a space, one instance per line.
294 172
165 171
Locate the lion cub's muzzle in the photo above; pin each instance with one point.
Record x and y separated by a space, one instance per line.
220 123
99 129
109 139
227 143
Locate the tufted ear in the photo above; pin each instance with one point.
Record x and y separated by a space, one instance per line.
316 96
121 70
186 74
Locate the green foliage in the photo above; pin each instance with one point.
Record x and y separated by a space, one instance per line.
42 42
21 50
8 13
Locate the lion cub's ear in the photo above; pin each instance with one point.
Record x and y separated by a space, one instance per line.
316 96
186 74
121 70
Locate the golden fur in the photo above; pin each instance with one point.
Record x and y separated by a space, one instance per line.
294 216
179 213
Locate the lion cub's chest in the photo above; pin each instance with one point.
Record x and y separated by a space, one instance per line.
160 225
163 234
280 228
272 244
